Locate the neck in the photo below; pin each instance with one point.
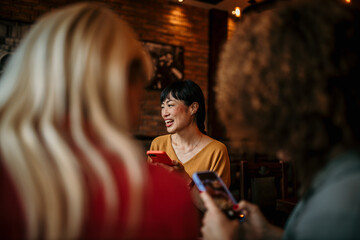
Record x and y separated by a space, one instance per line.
186 139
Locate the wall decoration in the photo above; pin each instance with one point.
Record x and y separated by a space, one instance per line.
168 62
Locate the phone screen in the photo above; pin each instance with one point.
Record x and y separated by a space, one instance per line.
214 186
211 183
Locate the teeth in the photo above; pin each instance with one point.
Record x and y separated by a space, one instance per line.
168 121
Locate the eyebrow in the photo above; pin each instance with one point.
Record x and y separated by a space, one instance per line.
167 100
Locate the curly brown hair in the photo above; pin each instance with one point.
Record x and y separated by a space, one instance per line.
291 74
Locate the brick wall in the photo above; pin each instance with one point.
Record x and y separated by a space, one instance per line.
157 21
153 20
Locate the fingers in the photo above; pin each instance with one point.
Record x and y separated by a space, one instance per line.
247 208
247 205
175 163
208 201
178 166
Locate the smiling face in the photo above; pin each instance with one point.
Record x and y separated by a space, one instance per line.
176 114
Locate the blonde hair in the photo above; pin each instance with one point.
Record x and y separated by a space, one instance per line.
74 65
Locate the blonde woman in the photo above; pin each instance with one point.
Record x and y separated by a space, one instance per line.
68 166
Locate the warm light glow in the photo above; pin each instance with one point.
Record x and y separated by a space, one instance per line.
180 1
348 1
236 12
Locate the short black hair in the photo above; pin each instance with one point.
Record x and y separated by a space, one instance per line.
189 92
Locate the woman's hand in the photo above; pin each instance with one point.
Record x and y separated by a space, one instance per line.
216 225
179 168
256 226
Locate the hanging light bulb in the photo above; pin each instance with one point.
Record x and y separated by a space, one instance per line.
236 12
180 1
348 1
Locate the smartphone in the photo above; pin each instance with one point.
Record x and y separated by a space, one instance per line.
159 157
211 183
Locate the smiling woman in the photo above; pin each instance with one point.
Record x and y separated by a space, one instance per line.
183 111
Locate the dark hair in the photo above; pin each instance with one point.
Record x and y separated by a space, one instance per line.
189 92
293 76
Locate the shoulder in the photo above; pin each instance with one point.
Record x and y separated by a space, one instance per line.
161 142
339 183
216 151
161 139
340 176
332 211
215 144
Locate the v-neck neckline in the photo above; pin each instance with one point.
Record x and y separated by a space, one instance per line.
177 158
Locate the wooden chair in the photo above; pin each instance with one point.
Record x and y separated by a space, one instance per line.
265 184
256 173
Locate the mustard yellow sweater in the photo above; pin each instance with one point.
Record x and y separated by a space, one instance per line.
213 157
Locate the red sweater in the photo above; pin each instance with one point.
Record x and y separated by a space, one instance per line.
168 212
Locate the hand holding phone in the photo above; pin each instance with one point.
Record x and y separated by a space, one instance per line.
211 183
159 157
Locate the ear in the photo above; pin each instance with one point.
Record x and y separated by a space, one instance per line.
194 108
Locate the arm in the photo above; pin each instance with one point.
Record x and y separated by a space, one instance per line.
221 162
217 226
256 226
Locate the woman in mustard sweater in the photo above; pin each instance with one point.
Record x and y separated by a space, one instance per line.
183 110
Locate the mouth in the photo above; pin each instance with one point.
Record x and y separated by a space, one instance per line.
169 123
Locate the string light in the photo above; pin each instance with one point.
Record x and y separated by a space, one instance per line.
236 12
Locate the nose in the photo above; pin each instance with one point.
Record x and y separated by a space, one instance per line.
164 112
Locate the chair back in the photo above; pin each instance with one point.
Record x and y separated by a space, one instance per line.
263 182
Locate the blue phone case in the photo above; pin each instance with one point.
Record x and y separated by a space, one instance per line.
210 182
200 179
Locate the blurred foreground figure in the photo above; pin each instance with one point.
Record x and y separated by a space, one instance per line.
292 75
68 166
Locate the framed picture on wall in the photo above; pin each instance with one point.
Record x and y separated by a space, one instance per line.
168 63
